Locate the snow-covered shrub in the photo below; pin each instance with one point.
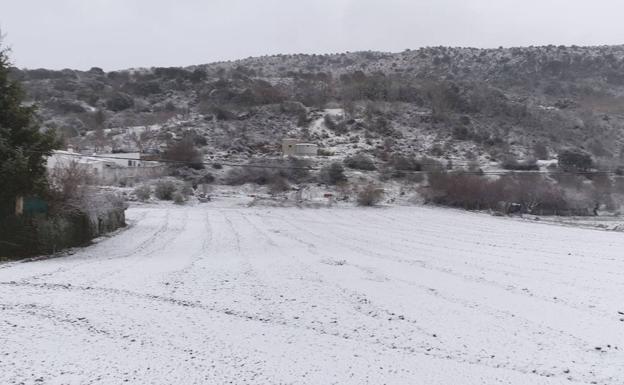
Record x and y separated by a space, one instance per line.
143 192
360 162
178 198
193 176
164 190
278 185
332 174
574 160
119 102
540 151
533 194
267 171
370 195
184 154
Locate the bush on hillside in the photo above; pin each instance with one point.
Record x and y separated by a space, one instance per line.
360 162
164 190
370 195
119 102
332 174
574 160
269 171
533 194
178 198
143 192
183 153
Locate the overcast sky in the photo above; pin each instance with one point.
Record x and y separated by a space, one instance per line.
117 34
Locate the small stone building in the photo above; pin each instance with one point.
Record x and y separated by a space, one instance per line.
294 147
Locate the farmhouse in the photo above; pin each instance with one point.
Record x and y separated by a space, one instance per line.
107 168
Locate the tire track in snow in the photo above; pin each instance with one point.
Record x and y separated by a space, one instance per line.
494 313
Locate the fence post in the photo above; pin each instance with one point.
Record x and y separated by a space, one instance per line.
19 205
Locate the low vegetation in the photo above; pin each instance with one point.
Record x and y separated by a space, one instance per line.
370 195
332 174
523 193
360 162
270 172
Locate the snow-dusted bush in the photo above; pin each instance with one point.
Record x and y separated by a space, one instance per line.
574 160
370 195
533 194
119 102
143 192
184 154
332 174
360 162
178 198
268 171
540 151
164 190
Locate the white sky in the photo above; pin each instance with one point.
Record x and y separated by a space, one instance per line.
116 34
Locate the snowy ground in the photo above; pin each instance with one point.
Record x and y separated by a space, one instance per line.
217 294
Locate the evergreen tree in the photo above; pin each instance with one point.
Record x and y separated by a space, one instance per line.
23 147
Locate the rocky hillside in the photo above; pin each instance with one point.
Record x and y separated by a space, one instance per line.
455 103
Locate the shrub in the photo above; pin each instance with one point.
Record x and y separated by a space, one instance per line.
143 192
574 160
540 151
267 171
533 193
164 190
119 102
369 195
360 162
332 174
460 133
193 176
278 185
404 163
184 153
178 198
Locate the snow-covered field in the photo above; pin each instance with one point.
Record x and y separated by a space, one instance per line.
217 294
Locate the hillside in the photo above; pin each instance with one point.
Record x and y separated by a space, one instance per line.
455 103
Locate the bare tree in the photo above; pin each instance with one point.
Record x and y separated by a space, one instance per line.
70 183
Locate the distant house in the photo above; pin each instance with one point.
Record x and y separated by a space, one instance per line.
63 159
124 159
107 168
295 147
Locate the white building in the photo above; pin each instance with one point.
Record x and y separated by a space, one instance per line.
63 159
107 168
124 159
294 147
306 149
